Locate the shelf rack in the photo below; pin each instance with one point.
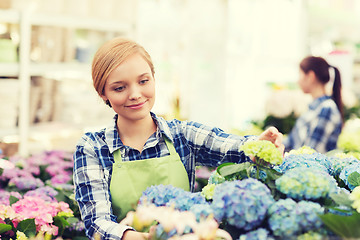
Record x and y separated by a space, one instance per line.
24 68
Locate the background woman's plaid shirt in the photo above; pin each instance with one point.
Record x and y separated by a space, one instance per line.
318 128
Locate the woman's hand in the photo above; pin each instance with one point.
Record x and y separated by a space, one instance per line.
273 135
133 235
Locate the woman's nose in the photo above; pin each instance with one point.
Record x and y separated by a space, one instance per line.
135 93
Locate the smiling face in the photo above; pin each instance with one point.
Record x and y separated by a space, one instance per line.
130 89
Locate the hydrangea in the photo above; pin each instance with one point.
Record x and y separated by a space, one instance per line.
311 236
26 183
5 196
263 150
167 195
349 141
341 160
208 191
288 218
262 174
215 178
344 174
306 183
315 160
201 211
242 204
258 234
159 195
46 193
185 200
302 150
355 197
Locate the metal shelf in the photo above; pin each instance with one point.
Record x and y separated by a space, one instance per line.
40 19
38 69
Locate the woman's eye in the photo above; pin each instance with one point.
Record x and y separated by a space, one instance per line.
143 81
119 89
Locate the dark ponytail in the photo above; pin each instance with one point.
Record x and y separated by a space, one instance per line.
321 69
336 91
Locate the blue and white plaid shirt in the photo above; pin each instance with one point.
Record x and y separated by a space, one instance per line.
195 143
318 128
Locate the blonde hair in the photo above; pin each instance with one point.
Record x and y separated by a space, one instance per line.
110 55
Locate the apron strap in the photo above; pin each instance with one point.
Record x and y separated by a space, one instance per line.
169 145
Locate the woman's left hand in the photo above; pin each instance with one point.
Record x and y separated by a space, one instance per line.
273 135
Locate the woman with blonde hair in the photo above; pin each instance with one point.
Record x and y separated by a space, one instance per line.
113 166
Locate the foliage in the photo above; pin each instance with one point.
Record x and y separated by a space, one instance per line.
36 197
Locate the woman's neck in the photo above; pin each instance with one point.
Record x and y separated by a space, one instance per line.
136 133
318 91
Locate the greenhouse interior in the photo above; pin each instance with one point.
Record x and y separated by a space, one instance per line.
254 133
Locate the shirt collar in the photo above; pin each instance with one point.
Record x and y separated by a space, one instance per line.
114 142
318 101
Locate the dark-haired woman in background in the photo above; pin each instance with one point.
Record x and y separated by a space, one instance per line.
319 127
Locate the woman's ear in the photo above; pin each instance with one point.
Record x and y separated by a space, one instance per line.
311 75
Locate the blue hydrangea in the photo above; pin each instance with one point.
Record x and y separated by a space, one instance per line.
340 162
315 160
242 204
201 211
258 234
167 195
185 200
288 218
160 195
215 178
344 174
305 183
262 174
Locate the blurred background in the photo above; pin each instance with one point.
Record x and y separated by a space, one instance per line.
226 63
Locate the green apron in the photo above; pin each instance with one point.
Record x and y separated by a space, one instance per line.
129 179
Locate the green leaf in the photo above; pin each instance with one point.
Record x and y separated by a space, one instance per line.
5 227
61 223
271 174
28 227
230 170
1 171
223 165
341 198
13 200
354 179
344 226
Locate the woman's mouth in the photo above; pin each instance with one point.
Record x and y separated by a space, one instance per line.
136 106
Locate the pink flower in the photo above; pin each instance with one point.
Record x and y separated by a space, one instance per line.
5 164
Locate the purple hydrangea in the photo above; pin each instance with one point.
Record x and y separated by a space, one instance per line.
26 183
5 195
47 193
288 218
242 204
315 160
344 174
258 234
305 183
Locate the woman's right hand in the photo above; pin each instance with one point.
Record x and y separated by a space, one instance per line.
133 235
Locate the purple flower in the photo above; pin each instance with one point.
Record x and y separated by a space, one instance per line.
26 183
47 193
5 195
